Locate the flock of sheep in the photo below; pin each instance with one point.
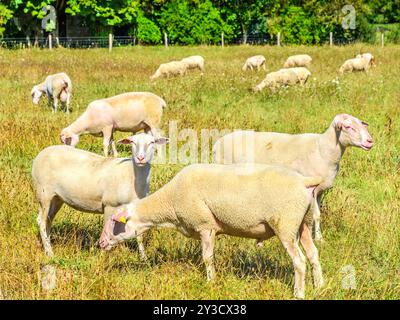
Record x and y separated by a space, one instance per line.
275 189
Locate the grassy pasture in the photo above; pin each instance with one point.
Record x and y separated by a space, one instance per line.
361 214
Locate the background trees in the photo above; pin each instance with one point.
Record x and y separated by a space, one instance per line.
202 21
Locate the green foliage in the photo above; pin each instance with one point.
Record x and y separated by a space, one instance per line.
5 15
147 31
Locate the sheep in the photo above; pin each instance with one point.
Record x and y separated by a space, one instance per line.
368 56
194 62
254 62
57 87
89 182
172 68
302 73
273 80
355 64
205 200
300 60
309 154
127 112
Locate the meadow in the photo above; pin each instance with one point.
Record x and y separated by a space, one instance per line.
360 255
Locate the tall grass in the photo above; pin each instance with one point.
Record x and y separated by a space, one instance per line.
360 214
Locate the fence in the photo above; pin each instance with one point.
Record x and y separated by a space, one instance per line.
116 41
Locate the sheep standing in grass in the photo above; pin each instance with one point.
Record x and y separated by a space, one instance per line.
274 80
302 74
369 57
254 62
90 183
300 60
57 87
127 112
356 64
194 62
172 68
205 200
309 154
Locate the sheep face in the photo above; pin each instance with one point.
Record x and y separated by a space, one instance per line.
143 145
36 94
353 132
69 138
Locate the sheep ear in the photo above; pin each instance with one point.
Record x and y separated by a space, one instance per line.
162 140
128 140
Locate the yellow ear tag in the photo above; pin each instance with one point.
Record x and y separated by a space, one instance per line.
122 219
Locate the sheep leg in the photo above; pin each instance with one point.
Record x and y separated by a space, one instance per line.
47 212
312 255
142 252
264 67
107 137
317 219
67 102
207 238
114 148
299 264
55 103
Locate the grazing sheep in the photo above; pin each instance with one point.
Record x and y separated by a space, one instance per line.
194 62
309 154
274 80
127 112
368 56
355 64
172 68
205 200
90 183
57 87
302 74
254 62
300 60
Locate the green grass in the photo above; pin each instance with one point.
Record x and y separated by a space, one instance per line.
361 215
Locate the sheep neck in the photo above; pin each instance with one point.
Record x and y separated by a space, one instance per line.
330 147
79 126
142 179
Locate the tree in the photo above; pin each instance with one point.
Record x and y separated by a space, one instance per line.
5 15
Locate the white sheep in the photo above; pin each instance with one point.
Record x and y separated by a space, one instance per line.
309 154
172 68
369 57
90 183
302 73
57 87
274 80
300 60
355 64
254 62
194 62
205 200
127 112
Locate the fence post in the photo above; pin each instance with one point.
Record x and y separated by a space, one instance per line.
222 40
383 39
57 42
165 39
110 42
330 39
50 42
279 39
28 41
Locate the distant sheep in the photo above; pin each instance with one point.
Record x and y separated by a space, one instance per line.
194 62
302 74
254 62
300 60
274 80
205 200
355 64
57 87
368 56
127 112
172 68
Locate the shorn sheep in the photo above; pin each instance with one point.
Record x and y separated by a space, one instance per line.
302 74
309 154
172 68
90 183
369 57
57 87
194 62
127 112
274 80
356 64
254 62
300 60
205 200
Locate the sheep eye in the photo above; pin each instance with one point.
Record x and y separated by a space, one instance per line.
364 123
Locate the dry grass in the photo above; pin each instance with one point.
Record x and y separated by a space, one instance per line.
361 221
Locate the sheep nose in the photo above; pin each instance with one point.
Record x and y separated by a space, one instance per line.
140 157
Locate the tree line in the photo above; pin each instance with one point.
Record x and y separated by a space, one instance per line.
190 22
